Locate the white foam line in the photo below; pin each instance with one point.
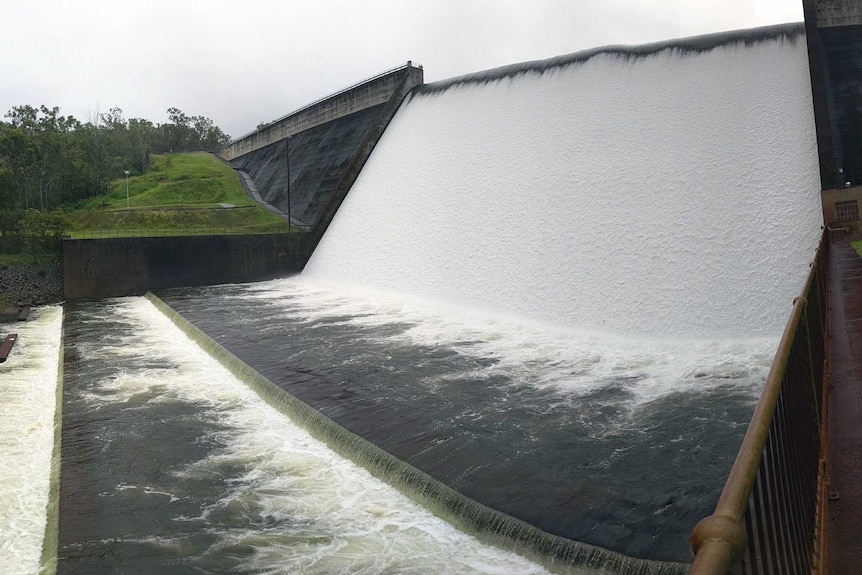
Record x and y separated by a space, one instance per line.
332 516
570 362
28 388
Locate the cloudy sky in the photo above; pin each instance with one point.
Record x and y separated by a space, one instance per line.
246 61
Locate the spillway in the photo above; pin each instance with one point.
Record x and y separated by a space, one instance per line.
555 287
172 465
555 427
28 403
668 190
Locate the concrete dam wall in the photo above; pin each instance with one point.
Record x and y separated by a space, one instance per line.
317 158
834 33
303 164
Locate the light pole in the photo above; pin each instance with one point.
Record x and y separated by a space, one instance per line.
127 187
287 159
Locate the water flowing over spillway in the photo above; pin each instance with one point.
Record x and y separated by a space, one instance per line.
555 288
28 399
555 427
171 465
673 193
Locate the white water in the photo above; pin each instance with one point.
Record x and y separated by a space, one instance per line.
28 388
329 516
572 363
669 195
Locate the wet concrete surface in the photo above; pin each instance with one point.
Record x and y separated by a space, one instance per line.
845 411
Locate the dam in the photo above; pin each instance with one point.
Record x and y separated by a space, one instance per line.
545 279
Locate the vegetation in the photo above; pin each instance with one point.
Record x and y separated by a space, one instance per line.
49 161
36 239
62 176
179 192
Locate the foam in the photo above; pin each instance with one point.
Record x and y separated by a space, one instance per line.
669 195
28 400
327 514
571 362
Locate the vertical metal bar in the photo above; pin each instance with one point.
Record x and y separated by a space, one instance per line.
789 421
781 553
757 539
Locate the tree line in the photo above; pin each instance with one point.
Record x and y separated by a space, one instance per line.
49 161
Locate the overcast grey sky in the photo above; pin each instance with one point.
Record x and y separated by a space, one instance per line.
241 62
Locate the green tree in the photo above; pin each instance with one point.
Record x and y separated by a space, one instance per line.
49 131
48 160
42 233
19 161
142 137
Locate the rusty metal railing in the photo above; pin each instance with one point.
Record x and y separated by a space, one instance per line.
848 229
768 519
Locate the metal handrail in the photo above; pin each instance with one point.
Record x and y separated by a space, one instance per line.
109 233
765 521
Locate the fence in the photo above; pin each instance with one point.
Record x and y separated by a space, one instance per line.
769 517
844 230
159 232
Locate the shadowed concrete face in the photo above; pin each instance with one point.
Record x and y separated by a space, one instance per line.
317 158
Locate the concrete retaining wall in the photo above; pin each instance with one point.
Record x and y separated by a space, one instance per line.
131 266
371 92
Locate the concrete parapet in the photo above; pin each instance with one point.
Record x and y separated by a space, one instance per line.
371 92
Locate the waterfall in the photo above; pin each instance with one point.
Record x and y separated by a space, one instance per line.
666 190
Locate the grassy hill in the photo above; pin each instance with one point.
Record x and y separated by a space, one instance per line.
180 193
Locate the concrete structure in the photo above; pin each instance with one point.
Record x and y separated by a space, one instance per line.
303 164
841 204
845 418
371 92
834 34
298 174
131 266
311 157
838 13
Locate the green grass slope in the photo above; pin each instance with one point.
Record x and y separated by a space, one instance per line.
179 193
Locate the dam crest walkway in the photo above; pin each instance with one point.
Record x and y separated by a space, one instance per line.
845 410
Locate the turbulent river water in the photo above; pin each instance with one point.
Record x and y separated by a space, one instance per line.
557 427
555 288
171 465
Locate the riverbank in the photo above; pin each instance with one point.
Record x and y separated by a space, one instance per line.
29 284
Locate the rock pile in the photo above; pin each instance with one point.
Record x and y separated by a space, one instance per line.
34 284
